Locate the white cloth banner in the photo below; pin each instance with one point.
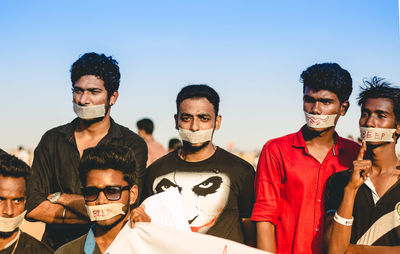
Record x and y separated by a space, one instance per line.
166 208
150 238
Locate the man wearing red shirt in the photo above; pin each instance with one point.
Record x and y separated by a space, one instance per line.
292 170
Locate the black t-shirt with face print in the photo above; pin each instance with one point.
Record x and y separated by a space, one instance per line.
216 192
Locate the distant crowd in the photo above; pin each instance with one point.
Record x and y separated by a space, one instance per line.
313 191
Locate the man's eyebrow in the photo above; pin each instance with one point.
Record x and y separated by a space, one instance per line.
186 114
381 111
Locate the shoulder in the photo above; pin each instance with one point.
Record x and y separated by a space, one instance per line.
234 160
349 144
34 245
75 246
130 135
278 143
165 161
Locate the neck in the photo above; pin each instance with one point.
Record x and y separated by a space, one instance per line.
188 155
94 129
7 240
148 137
383 156
325 137
105 236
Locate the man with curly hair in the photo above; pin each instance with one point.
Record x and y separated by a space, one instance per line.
54 195
292 170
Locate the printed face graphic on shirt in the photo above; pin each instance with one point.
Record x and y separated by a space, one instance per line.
204 195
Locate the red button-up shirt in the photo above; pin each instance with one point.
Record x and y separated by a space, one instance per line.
290 186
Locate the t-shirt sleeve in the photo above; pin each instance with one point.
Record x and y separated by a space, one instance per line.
38 185
246 194
334 191
267 187
140 149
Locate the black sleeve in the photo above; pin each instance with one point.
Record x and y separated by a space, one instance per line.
334 191
246 192
38 185
140 149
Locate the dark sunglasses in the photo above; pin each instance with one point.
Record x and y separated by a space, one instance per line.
112 193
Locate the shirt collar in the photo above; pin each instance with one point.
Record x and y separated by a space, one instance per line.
299 142
68 131
90 243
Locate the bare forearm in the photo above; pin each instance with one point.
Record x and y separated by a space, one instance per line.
54 214
74 202
365 249
338 235
266 236
249 232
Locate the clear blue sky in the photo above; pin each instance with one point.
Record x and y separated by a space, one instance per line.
251 52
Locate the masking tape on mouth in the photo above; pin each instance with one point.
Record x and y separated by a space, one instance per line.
377 134
10 224
320 121
104 212
90 112
195 137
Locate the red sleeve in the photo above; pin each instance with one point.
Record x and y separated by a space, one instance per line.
267 187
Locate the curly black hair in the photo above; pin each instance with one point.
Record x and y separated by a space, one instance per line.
377 87
99 65
109 156
328 76
14 167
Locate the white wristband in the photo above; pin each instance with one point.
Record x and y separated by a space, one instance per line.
343 221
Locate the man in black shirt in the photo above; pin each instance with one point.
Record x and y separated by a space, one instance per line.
13 175
54 190
217 187
362 204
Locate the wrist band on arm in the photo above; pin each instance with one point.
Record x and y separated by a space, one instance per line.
63 215
343 221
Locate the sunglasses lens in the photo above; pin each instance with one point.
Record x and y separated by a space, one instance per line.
90 193
113 193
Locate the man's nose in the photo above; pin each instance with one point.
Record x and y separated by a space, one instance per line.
195 125
101 199
8 209
83 98
370 122
316 108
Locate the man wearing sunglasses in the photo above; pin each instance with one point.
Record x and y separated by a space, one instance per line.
54 189
107 173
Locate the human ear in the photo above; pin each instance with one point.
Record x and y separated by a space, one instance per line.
133 193
344 106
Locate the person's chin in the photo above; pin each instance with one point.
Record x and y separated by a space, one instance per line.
195 147
319 130
376 144
7 234
92 120
109 223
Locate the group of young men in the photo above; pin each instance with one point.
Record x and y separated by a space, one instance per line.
313 191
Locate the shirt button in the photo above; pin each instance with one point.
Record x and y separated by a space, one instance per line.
317 229
319 200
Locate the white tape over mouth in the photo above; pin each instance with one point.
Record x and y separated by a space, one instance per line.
90 112
195 137
320 121
377 134
10 224
104 212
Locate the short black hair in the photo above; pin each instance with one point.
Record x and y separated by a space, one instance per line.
99 65
377 87
198 91
146 125
109 156
14 167
328 76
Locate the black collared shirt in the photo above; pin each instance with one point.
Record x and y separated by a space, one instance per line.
55 168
